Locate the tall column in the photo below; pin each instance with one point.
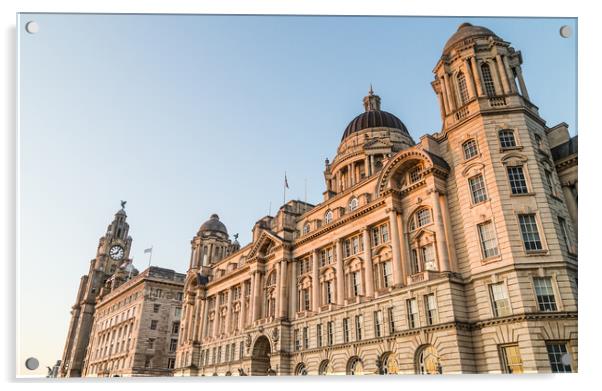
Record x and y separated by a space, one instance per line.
258 297
510 74
216 318
502 73
441 106
450 95
403 247
252 297
282 297
293 290
440 231
445 96
476 71
371 164
198 328
340 274
571 205
278 292
471 82
315 282
190 310
204 331
521 82
242 321
368 262
396 247
229 313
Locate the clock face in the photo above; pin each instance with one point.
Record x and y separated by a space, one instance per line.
116 253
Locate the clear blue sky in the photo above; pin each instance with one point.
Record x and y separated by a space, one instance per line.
184 116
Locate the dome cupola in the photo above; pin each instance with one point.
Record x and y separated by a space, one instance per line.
213 225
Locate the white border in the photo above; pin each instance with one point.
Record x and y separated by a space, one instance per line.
589 54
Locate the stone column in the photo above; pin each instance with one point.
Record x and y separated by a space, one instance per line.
371 164
502 74
440 232
216 318
396 247
369 291
340 274
283 292
278 291
293 290
197 317
229 313
252 297
446 103
190 312
315 282
510 74
258 297
242 321
450 95
198 329
476 71
571 205
204 331
441 106
471 82
403 247
521 82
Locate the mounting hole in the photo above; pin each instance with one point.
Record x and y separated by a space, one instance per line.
565 31
32 27
32 363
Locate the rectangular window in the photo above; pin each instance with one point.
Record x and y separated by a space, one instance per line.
548 177
227 355
488 240
412 307
428 256
384 233
430 305
378 323
156 308
346 330
499 299
518 183
233 346
564 231
355 283
151 343
177 312
346 248
545 294
375 237
358 327
219 354
387 274
356 244
179 296
556 352
511 360
477 189
305 293
214 355
171 363
241 350
391 320
529 232
319 335
330 332
173 344
296 338
305 338
153 325
175 327
507 139
470 149
329 297
415 266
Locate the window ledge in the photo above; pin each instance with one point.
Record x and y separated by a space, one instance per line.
528 194
478 155
536 252
479 203
516 148
492 259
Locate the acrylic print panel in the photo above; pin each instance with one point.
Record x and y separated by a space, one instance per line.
283 195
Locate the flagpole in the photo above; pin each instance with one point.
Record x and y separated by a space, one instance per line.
305 198
284 190
150 256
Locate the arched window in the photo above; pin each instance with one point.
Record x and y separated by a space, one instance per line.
388 364
488 80
355 366
415 174
325 368
328 217
301 370
507 139
306 229
427 361
463 89
421 218
470 149
353 204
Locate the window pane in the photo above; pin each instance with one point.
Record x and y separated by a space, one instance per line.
555 353
477 189
545 294
530 233
511 359
470 149
501 303
507 139
488 240
488 80
518 184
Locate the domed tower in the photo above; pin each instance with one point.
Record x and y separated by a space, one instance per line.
211 243
478 72
368 139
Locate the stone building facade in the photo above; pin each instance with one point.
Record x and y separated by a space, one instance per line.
136 326
455 254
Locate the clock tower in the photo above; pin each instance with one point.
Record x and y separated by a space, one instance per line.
112 254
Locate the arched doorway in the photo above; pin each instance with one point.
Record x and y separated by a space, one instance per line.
355 366
260 357
301 370
388 364
427 361
325 368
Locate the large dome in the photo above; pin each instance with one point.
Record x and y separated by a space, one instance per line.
213 225
373 117
465 31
